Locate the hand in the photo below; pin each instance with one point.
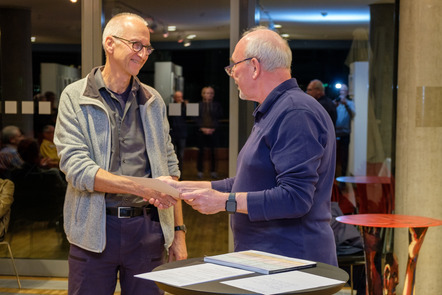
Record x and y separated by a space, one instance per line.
178 249
206 201
159 200
207 131
44 162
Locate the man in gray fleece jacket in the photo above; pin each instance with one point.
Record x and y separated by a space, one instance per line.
110 125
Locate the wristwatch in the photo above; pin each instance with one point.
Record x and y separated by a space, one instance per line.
181 227
231 204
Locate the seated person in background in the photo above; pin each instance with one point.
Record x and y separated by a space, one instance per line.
48 149
39 193
9 158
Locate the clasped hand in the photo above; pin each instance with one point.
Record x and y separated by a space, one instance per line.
199 195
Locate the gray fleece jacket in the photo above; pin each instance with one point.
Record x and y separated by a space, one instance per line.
83 140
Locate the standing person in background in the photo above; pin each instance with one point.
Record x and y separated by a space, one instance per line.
280 196
178 128
111 125
210 112
345 109
316 89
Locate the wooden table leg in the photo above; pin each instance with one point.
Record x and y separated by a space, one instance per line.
416 237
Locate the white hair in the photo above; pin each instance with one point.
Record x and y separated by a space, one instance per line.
272 51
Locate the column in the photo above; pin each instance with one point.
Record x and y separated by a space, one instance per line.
16 65
242 16
419 135
91 34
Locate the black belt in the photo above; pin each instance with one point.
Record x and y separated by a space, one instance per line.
127 212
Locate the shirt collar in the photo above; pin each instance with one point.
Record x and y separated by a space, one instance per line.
273 97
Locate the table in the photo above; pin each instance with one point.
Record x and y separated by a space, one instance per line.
215 287
372 203
383 279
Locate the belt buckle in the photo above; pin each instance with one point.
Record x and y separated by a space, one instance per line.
119 212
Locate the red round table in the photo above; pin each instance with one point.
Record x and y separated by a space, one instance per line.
383 280
371 203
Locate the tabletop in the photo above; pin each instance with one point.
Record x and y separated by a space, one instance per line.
364 179
389 220
216 287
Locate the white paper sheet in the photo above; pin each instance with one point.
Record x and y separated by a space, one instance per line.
27 107
174 109
194 274
157 185
282 282
192 110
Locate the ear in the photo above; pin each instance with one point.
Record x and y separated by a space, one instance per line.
109 44
256 68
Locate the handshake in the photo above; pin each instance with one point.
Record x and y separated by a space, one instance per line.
197 194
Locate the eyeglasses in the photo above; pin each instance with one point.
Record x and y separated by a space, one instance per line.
229 68
137 46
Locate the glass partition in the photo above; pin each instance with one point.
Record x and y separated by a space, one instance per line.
39 234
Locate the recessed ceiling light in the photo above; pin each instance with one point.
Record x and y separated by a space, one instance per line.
192 36
171 28
277 26
285 35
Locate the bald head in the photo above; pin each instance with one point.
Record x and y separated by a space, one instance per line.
316 89
178 97
119 23
268 47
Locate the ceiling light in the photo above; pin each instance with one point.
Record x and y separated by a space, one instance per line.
285 35
277 26
192 36
33 39
171 28
74 1
187 43
314 16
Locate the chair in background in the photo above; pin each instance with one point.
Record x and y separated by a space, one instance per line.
6 199
349 248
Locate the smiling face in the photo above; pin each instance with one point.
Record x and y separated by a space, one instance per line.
120 52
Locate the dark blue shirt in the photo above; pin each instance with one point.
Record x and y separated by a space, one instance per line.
287 167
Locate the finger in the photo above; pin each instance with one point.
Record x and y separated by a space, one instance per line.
187 196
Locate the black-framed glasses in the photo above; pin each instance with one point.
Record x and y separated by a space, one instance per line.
229 68
137 46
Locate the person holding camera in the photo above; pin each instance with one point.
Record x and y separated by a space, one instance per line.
345 109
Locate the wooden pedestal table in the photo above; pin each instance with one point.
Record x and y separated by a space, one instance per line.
382 280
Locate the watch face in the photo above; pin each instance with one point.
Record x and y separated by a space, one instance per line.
181 227
231 206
